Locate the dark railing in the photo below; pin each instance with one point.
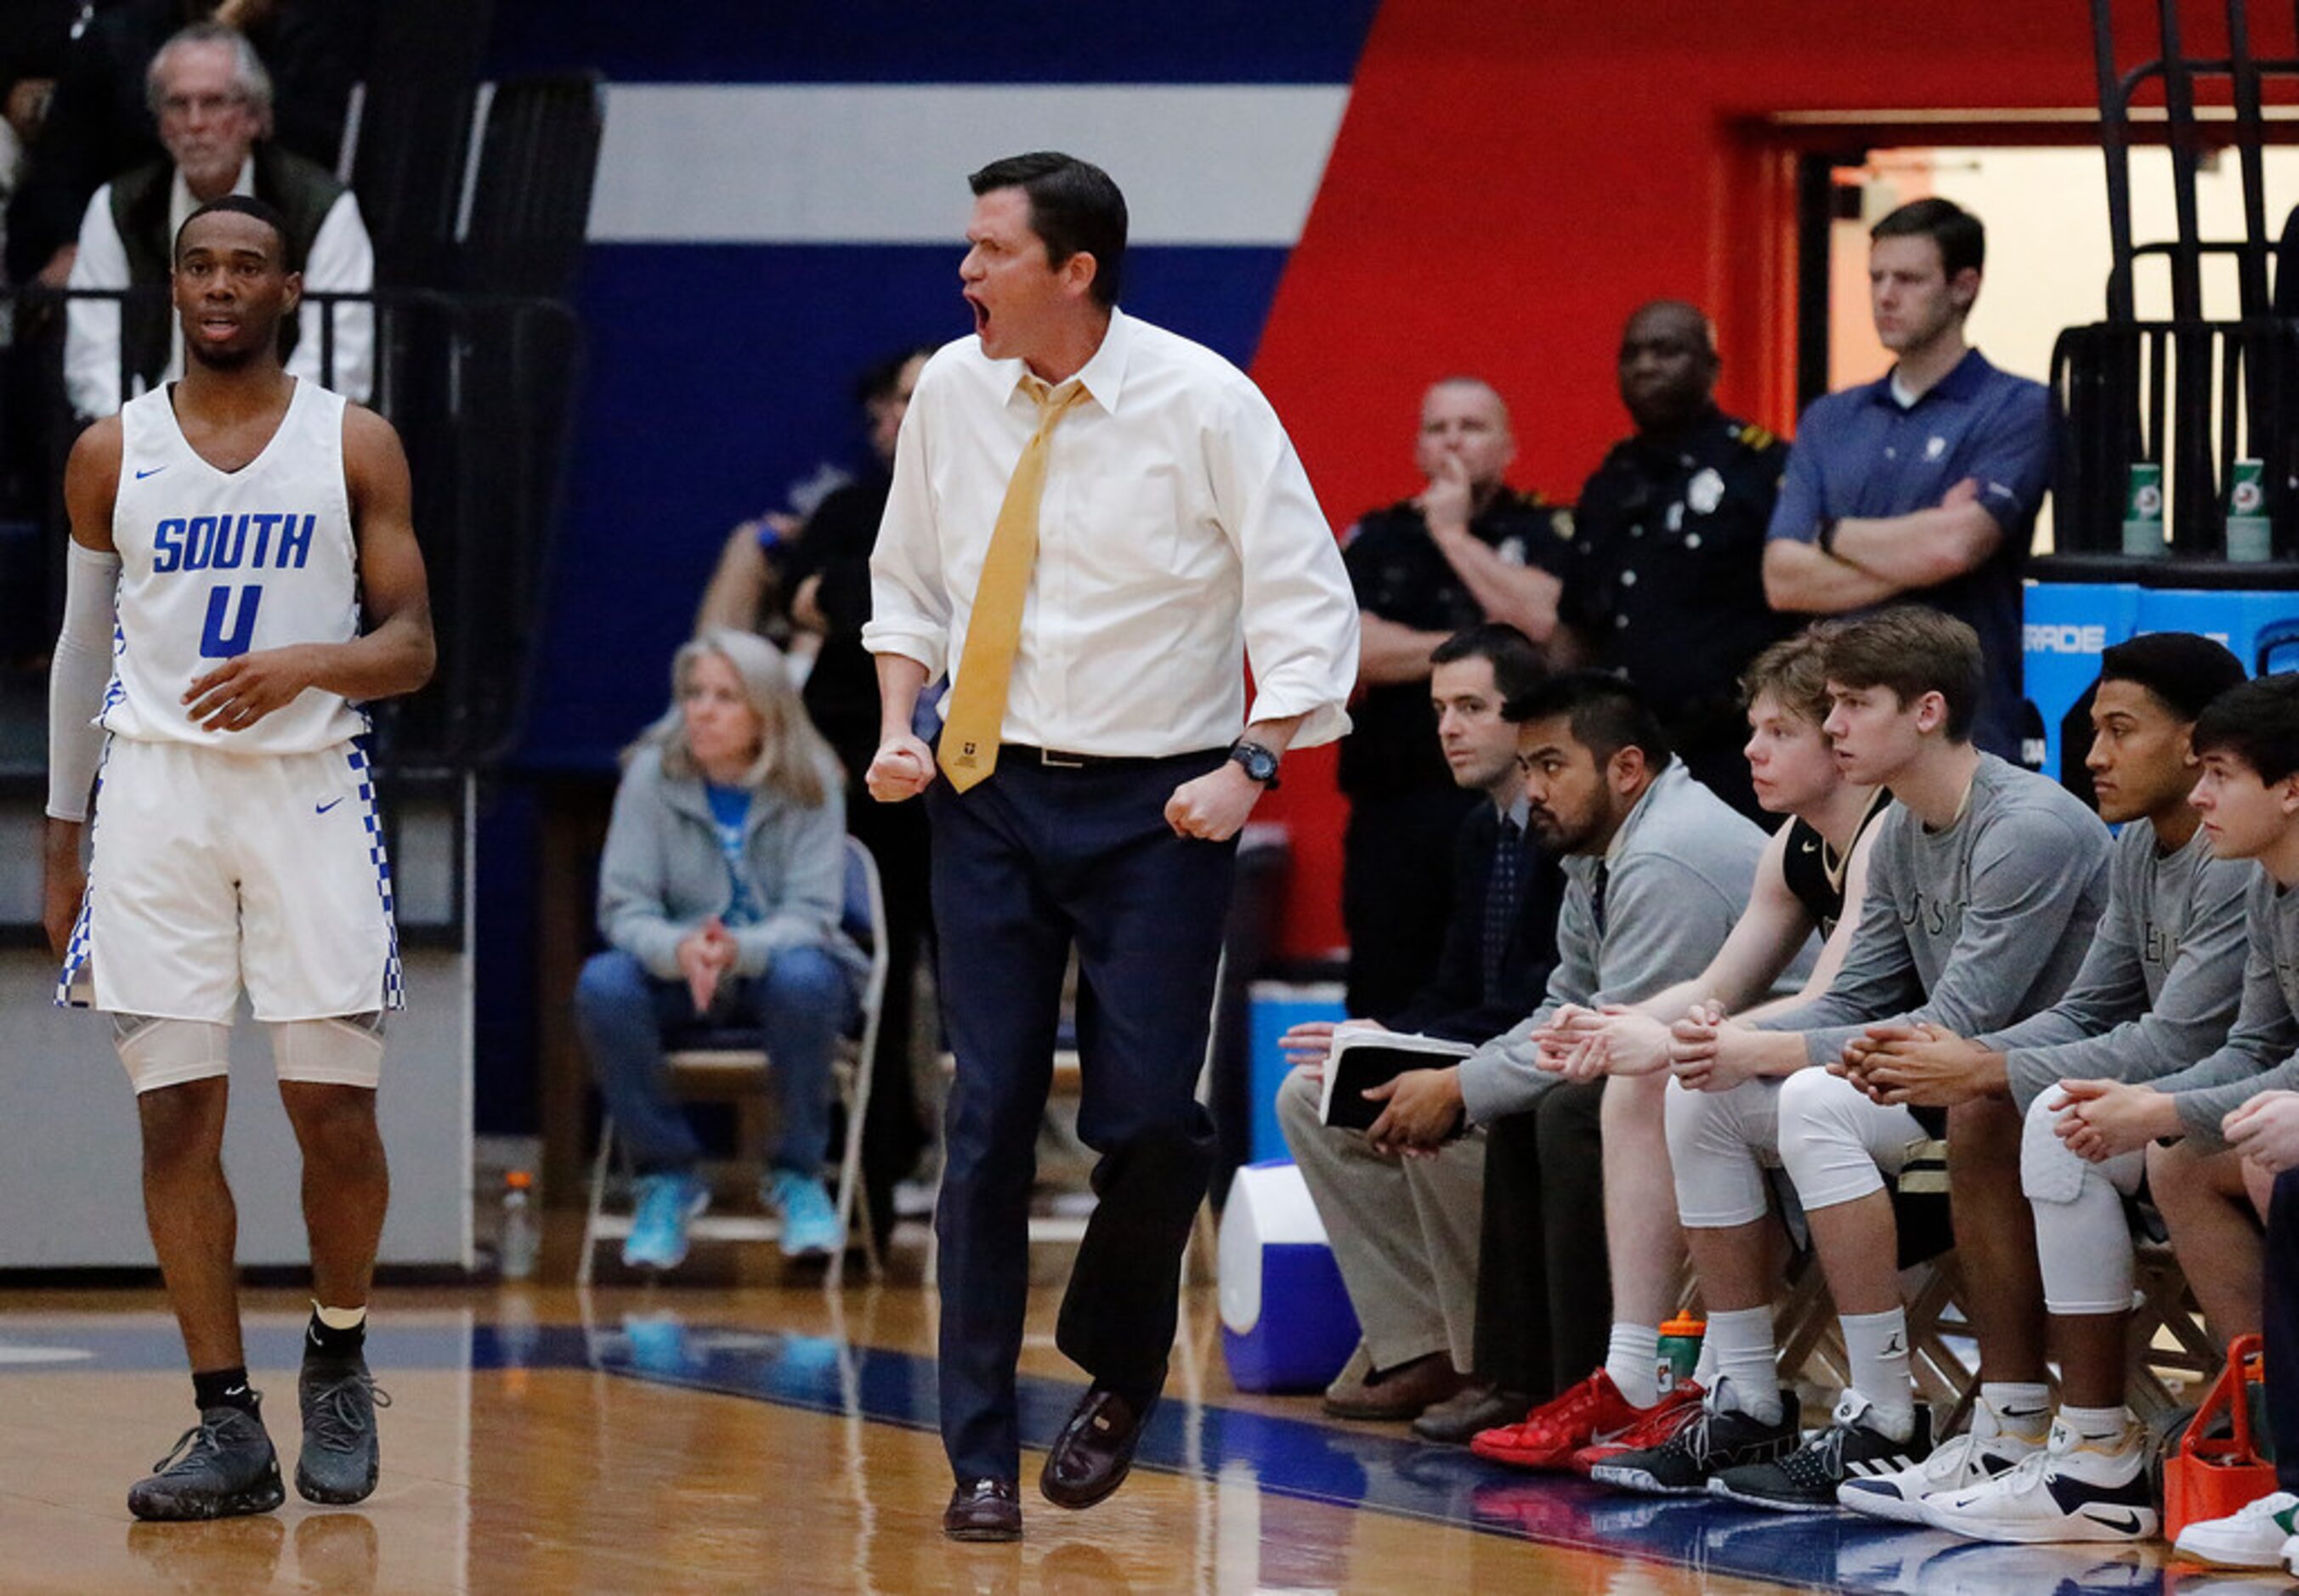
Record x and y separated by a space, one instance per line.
2192 397
481 387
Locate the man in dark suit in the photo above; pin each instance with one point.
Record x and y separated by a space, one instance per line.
1405 1230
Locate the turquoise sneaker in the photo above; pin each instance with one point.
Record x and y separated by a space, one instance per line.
658 1238
811 1227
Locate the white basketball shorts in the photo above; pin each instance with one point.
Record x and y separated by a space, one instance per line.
213 870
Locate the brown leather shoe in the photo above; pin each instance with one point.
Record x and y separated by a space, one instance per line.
984 1510
1094 1452
1404 1391
1353 1384
1478 1407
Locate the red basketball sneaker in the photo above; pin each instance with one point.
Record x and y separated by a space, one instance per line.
1592 1413
1660 1421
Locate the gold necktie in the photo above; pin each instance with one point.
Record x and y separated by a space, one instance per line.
968 749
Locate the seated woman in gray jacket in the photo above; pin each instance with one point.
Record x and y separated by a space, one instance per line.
719 895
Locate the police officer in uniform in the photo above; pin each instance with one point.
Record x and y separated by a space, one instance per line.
1465 550
1666 582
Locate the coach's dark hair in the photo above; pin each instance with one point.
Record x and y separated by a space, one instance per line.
1913 650
1074 206
1963 241
2257 722
243 204
1607 713
1517 665
2183 671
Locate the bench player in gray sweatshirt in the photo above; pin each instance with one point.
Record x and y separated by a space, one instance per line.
2157 992
1985 886
1658 868
2248 743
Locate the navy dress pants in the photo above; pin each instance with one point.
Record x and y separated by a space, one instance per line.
1026 864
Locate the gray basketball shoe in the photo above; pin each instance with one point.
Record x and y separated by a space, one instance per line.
221 1467
340 1458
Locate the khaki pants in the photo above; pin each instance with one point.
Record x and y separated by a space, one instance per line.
1403 1231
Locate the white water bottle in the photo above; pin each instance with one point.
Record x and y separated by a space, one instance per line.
520 1238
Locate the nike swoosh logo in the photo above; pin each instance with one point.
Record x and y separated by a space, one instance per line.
2128 1523
1811 847
236 1391
324 808
155 471
1607 1437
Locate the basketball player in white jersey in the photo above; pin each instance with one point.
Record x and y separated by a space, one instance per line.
243 562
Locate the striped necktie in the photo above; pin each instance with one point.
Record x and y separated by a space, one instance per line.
968 749
1501 900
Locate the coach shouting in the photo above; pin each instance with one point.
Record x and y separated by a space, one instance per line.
1098 522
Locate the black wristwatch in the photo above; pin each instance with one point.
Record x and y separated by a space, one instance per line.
1259 763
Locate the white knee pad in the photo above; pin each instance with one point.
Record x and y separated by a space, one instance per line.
2081 1238
1836 1144
168 1052
1717 1141
345 1050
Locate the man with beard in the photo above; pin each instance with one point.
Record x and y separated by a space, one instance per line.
1658 870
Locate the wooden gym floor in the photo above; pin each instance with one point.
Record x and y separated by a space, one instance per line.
769 1437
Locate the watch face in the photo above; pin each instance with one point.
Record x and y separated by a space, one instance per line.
1260 763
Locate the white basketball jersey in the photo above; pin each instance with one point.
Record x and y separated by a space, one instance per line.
214 564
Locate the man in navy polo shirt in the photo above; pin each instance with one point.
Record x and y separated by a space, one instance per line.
1923 485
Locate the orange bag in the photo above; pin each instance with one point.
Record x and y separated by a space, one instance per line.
2211 1477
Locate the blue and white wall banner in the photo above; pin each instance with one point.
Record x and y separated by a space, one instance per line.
842 164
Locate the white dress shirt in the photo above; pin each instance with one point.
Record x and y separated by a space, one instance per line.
342 261
1178 538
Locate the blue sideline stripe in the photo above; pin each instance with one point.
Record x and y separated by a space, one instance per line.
875 164
922 41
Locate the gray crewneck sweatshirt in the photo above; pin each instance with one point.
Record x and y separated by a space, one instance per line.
1973 926
1679 873
2160 984
2257 1055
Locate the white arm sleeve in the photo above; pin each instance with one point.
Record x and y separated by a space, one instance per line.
77 674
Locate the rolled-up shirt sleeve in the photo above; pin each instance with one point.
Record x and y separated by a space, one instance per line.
1300 615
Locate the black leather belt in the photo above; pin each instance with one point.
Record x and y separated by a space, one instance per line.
1060 758
1056 759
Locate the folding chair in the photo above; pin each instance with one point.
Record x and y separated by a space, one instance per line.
729 1064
